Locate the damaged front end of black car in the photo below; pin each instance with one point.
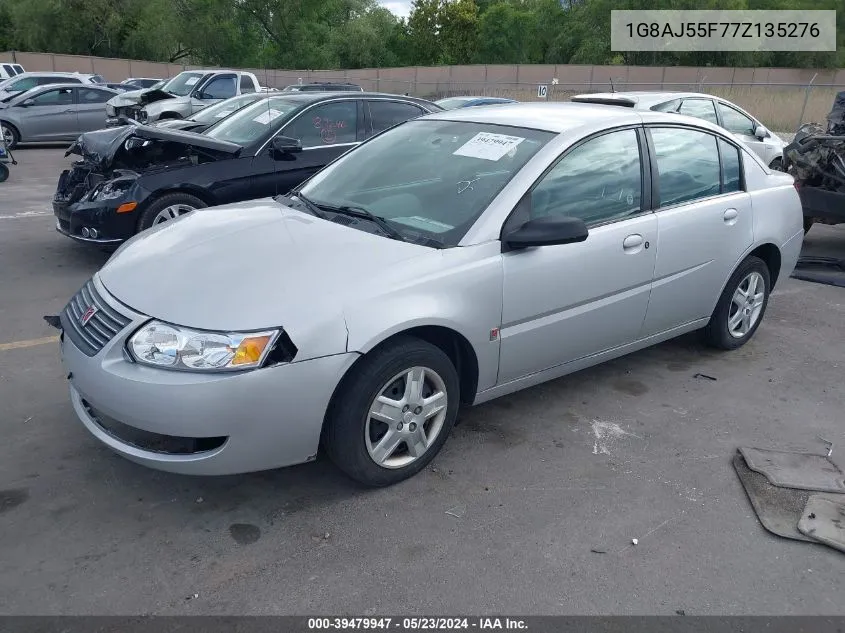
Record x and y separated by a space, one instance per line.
100 199
816 159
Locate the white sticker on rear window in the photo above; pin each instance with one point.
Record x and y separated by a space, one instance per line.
267 116
223 113
191 81
488 146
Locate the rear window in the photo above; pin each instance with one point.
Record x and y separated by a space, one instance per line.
18 68
10 71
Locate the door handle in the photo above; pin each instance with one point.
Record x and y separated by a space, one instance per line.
730 216
633 243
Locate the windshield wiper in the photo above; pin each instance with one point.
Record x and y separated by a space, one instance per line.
309 204
361 212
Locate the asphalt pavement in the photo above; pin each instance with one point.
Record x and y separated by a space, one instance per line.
531 507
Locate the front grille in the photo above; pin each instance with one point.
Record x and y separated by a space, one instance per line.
153 442
100 328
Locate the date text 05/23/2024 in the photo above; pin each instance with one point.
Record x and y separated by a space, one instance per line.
415 624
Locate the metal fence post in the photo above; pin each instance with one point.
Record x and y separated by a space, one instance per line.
806 99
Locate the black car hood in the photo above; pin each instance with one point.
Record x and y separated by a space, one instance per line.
103 147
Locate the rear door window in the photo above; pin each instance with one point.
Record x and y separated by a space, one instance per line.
700 109
385 114
92 95
687 164
735 121
247 84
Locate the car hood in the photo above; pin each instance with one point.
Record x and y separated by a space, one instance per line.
250 266
139 97
107 147
160 105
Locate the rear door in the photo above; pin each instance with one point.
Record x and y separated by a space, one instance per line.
385 113
700 109
91 108
325 130
50 116
704 223
215 90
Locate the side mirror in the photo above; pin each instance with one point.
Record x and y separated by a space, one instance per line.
26 103
286 145
761 132
547 231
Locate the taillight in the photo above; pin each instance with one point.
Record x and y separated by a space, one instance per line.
796 184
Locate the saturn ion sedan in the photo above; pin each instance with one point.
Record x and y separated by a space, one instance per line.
452 259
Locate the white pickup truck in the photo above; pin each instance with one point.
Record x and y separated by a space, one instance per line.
180 97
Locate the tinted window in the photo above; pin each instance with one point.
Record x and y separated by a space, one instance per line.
18 68
59 96
326 124
220 87
92 95
598 181
9 70
386 114
253 121
246 84
735 121
731 179
700 109
688 164
669 106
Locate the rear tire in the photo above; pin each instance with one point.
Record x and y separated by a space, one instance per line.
168 207
741 307
362 425
777 165
11 134
4 173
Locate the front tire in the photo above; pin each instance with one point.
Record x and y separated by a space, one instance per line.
168 207
741 307
777 165
393 412
4 172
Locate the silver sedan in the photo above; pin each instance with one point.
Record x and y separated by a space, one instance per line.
57 112
453 259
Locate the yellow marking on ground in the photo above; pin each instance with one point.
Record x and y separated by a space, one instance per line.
33 342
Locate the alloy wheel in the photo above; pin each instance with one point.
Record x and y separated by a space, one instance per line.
406 417
746 305
172 212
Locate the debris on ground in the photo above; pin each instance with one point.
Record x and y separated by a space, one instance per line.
458 511
635 541
705 376
598 550
199 500
193 596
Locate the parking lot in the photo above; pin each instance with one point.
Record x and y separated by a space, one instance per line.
530 508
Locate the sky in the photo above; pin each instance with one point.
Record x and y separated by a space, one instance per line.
400 8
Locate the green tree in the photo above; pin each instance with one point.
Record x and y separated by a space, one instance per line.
458 31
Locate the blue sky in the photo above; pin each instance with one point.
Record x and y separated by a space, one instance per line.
399 7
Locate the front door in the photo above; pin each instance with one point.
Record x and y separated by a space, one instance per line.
326 131
565 302
704 224
49 116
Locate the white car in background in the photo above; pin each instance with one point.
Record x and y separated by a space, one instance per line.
768 146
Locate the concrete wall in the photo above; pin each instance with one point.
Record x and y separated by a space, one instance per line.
440 79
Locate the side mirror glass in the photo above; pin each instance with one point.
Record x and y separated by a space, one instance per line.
286 145
761 132
547 231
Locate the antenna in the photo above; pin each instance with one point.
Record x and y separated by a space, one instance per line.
270 126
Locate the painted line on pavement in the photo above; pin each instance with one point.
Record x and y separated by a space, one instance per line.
33 342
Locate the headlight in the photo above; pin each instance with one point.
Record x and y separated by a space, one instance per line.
110 111
171 347
111 190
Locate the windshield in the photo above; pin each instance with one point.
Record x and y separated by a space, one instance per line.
218 111
453 102
183 83
253 121
429 179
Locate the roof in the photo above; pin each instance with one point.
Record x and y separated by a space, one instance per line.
313 96
73 85
552 117
52 73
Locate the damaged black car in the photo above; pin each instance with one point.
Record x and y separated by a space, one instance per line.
816 159
135 176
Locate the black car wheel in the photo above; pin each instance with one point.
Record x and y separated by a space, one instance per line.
10 135
777 165
4 173
393 412
168 207
741 307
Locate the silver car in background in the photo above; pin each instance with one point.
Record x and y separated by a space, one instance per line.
767 145
55 112
454 258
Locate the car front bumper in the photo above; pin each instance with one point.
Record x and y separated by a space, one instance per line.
200 424
112 227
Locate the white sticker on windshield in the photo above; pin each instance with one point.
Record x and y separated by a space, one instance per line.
488 146
191 81
267 116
